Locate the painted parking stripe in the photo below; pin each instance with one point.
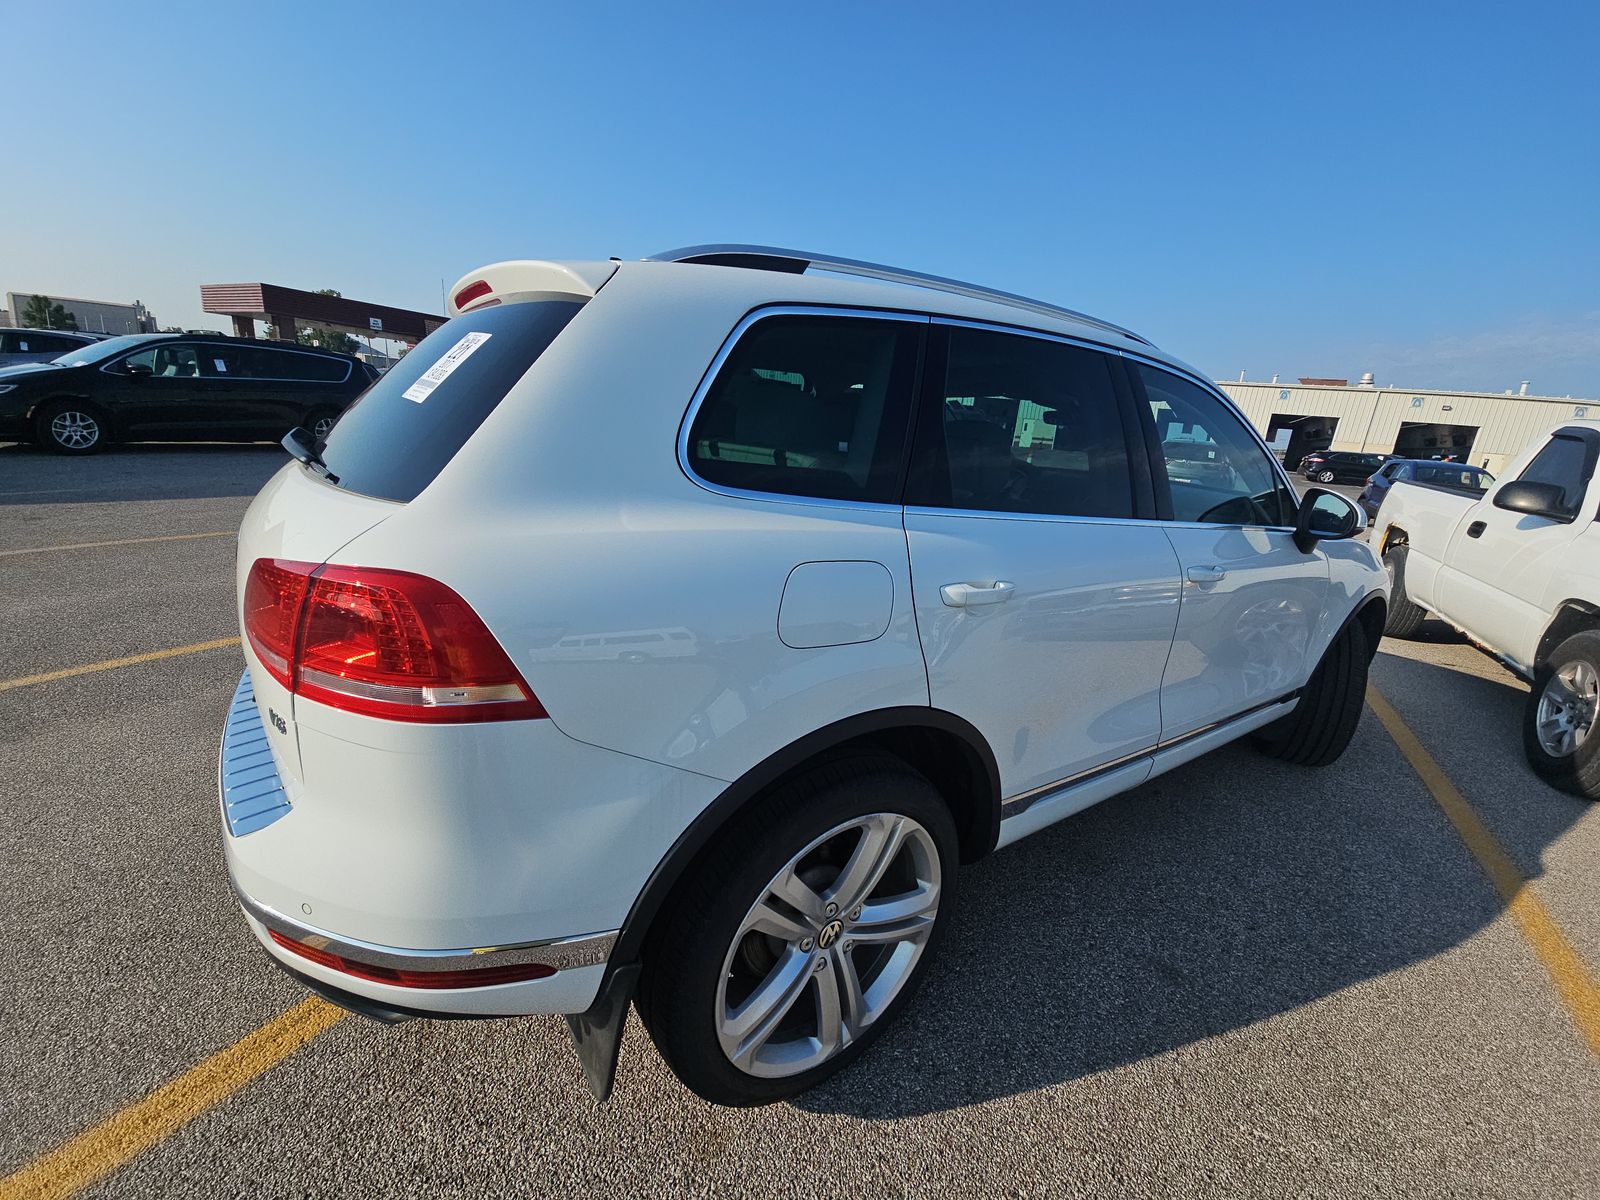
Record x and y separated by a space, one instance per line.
171 537
117 1140
1568 972
112 664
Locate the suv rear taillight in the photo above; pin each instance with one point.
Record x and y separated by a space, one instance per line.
382 643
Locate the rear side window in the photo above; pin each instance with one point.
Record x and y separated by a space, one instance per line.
810 406
1024 425
286 365
394 440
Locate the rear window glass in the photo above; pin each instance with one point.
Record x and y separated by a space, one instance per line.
393 441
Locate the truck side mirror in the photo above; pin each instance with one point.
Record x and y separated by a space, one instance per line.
1546 500
1325 516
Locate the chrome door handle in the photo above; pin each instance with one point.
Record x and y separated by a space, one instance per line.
966 595
1206 574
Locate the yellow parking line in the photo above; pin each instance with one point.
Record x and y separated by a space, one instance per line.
115 1141
1569 974
171 537
111 663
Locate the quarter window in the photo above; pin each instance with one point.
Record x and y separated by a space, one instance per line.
1024 425
810 406
1567 462
1217 472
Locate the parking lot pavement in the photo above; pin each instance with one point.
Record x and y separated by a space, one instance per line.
1242 979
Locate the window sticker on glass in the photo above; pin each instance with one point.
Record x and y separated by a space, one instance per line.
222 367
440 371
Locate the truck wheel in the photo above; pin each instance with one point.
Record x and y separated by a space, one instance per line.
1558 722
1320 728
1404 618
803 931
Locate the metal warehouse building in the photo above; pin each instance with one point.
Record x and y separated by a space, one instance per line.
1485 429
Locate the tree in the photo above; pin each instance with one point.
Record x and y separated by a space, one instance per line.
40 313
323 339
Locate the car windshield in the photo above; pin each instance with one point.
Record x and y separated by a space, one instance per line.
100 351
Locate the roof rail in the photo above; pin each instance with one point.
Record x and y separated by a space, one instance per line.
795 262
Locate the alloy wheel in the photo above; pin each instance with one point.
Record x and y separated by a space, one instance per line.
828 945
323 427
75 430
1567 708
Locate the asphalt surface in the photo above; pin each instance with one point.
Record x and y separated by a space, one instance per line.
1242 979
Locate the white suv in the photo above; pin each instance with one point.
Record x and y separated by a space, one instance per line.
670 631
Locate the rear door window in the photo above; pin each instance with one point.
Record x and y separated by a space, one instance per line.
810 406
398 436
1024 425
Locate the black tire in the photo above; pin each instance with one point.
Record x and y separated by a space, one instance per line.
71 427
1404 618
691 943
1321 726
1579 771
319 415
1325 477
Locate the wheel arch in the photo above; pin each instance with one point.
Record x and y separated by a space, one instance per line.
113 427
946 749
1572 616
1393 536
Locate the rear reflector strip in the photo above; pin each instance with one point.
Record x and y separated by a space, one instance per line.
252 793
434 980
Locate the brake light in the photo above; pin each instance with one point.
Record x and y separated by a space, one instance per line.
472 291
383 643
478 977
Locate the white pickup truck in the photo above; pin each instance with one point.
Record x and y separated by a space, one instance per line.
1518 572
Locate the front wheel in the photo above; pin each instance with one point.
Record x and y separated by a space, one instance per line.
802 933
1321 726
1558 722
68 427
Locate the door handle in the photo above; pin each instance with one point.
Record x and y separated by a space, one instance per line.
1476 528
1206 574
967 595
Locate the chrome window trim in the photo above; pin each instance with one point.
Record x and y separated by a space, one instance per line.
563 954
710 377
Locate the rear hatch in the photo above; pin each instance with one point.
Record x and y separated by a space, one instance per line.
384 451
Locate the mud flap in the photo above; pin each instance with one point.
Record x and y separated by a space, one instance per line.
597 1033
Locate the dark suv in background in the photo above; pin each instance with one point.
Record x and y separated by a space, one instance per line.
177 387
1340 466
38 345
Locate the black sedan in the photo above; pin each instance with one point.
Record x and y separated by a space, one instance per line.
177 387
1340 466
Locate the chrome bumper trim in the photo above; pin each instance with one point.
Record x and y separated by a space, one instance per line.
564 954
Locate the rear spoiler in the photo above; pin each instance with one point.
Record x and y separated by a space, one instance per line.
527 279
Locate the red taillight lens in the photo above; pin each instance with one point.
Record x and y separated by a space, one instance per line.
383 643
273 594
480 977
472 291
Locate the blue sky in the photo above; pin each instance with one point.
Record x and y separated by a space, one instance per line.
1408 189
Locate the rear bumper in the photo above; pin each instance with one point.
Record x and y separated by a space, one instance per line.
483 848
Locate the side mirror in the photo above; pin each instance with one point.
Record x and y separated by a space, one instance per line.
137 370
1325 516
1546 500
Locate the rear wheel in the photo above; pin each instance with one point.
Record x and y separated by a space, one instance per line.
1325 477
70 427
1404 618
1558 724
803 932
320 422
1321 726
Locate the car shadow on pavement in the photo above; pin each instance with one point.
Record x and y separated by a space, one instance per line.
137 471
1232 890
